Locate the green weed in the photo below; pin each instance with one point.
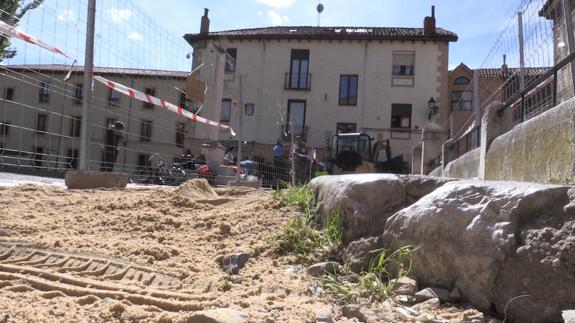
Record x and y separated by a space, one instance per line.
333 229
301 235
301 197
378 282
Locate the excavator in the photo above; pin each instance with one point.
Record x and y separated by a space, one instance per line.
353 153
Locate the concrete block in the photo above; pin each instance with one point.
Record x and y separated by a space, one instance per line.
88 179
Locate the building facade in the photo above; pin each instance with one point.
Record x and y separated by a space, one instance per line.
40 117
319 81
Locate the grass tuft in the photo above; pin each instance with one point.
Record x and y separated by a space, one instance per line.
376 283
301 235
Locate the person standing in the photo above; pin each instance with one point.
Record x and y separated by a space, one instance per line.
301 160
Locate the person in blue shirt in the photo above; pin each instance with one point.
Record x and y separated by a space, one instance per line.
278 149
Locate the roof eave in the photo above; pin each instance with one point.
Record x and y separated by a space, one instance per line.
194 38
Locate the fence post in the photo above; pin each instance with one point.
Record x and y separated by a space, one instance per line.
570 40
476 97
521 51
87 87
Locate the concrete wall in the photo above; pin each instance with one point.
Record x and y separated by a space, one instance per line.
466 166
541 149
538 150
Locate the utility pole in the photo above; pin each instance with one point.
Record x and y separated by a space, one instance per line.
241 127
87 88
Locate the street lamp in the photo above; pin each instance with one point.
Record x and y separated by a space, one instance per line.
433 108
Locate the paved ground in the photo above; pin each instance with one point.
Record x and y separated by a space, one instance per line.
11 179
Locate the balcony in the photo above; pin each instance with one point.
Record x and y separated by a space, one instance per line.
300 131
298 81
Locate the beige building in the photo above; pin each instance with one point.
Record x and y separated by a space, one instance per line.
325 80
40 117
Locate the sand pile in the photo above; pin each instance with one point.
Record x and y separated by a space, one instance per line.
107 255
196 189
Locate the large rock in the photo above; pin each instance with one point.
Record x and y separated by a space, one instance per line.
366 201
358 254
494 241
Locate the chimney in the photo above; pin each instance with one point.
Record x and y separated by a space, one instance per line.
205 26
429 23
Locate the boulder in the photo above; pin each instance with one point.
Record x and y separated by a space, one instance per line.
494 241
365 201
359 253
323 268
4 232
233 263
218 315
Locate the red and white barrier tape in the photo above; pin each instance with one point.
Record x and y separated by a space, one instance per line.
13 32
159 102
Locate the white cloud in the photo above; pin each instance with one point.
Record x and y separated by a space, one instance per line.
277 3
67 15
119 15
134 35
260 13
276 18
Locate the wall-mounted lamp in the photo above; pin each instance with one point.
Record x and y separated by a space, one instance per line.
433 108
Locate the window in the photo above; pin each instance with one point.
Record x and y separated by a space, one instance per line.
146 131
4 128
401 116
185 103
298 78
343 127
462 80
72 158
404 63
9 94
348 89
462 101
143 163
78 94
113 98
44 95
75 126
231 59
152 92
41 120
249 109
180 133
296 115
226 110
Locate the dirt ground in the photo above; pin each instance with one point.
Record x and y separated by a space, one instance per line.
146 255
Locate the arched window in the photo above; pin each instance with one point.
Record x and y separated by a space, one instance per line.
462 80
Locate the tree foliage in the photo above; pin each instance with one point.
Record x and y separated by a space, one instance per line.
11 11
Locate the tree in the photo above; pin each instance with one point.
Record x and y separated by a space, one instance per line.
11 11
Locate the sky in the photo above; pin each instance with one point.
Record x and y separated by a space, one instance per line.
476 22
144 33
